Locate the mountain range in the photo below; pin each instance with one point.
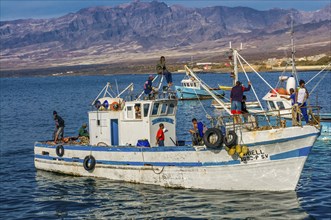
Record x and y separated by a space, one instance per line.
142 31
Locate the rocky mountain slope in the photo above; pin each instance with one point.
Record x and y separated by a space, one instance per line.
145 30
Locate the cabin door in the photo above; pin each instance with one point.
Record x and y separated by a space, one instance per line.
114 131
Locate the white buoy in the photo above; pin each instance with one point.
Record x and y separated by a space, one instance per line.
283 78
290 84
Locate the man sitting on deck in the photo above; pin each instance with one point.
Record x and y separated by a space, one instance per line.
82 132
197 132
148 88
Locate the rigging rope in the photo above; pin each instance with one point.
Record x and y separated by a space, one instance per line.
201 103
254 92
318 83
318 73
256 72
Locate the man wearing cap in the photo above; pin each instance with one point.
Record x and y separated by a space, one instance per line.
82 132
59 126
236 97
148 88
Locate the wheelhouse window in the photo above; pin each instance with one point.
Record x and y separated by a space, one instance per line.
171 109
272 105
146 109
164 109
137 110
280 105
129 112
155 108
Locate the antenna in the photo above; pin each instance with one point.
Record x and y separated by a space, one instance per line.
117 87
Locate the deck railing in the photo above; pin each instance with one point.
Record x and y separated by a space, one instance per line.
266 120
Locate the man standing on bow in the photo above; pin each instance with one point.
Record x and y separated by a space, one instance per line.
59 127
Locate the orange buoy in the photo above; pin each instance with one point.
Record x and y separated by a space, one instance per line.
282 91
114 106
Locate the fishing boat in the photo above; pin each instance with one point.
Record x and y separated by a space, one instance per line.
277 99
257 155
325 119
191 89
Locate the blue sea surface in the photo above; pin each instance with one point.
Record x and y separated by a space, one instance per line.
26 116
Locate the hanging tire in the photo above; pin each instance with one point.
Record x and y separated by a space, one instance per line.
89 163
213 138
59 150
230 139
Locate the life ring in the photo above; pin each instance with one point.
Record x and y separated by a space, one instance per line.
230 139
59 150
114 106
213 138
89 163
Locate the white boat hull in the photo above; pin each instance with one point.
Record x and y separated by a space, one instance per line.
275 162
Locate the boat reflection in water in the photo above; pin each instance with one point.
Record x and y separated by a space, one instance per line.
111 198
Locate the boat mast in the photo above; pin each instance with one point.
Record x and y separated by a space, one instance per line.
294 71
235 63
235 66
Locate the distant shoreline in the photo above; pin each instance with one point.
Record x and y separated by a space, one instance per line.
94 70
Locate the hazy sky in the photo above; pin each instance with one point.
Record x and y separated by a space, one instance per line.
16 9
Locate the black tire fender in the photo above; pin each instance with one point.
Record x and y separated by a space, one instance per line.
89 163
207 138
59 150
230 139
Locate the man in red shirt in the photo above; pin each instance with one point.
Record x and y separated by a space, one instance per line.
160 136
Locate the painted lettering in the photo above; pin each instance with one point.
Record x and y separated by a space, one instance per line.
160 120
254 155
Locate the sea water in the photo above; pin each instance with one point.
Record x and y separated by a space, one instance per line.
26 116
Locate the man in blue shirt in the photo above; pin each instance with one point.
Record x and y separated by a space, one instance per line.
197 132
236 96
292 96
148 88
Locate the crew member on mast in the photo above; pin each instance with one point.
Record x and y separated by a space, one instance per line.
161 69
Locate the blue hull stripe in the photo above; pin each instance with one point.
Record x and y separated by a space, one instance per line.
135 163
158 149
303 152
283 140
294 153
